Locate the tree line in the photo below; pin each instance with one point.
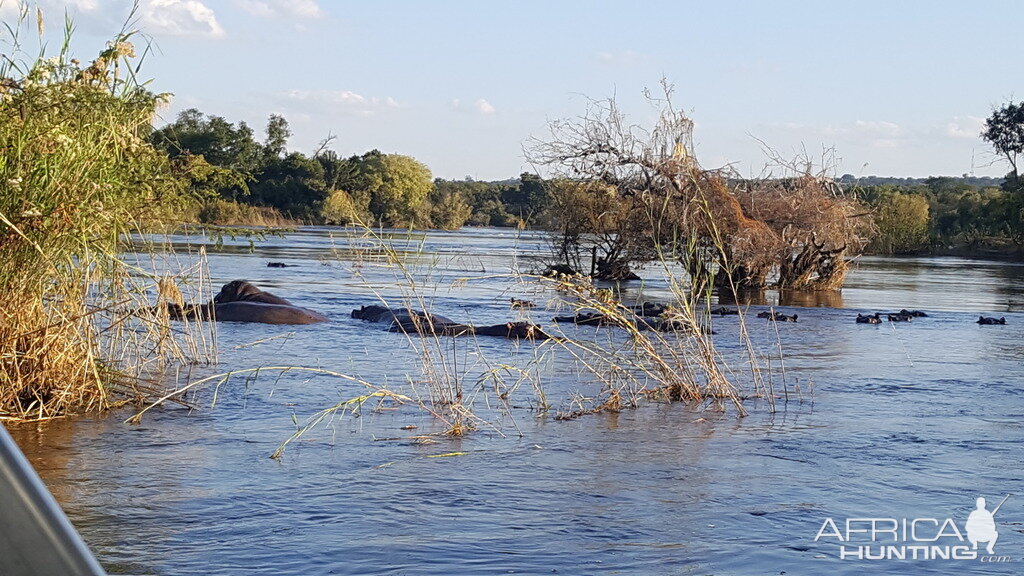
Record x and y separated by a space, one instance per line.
239 179
945 215
228 169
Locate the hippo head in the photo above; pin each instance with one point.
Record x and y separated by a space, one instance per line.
235 291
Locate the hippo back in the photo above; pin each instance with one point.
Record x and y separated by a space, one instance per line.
266 313
416 322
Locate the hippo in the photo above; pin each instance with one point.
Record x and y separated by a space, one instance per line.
649 309
409 321
240 301
777 316
280 265
586 319
869 319
242 291
900 317
723 311
985 321
517 303
650 316
914 313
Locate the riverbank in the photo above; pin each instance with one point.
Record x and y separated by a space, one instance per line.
988 248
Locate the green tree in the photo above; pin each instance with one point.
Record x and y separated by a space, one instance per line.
220 142
528 199
394 185
340 209
1004 129
902 221
277 136
294 184
205 180
446 207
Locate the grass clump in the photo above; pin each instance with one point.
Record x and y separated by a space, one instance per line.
76 177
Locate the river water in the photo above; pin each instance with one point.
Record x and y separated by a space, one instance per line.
892 421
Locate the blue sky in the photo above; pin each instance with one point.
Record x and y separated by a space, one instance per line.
896 88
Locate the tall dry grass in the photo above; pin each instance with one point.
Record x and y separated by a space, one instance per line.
77 177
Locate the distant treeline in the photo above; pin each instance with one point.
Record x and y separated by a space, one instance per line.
240 180
946 215
849 180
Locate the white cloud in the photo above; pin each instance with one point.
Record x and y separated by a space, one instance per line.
879 132
84 5
877 128
344 102
9 8
179 18
53 10
288 8
625 58
480 106
969 127
484 107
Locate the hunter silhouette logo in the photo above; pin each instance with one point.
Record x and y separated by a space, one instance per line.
917 538
981 526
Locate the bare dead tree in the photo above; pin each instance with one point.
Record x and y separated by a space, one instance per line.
655 200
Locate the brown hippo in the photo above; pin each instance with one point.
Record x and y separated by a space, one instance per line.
411 321
648 316
240 301
242 291
987 321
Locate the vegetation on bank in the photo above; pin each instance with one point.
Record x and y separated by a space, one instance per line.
956 215
76 176
238 180
226 167
947 216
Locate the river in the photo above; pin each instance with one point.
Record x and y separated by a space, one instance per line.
898 421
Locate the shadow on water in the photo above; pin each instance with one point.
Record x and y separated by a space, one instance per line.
909 420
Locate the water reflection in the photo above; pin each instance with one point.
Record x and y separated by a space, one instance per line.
796 298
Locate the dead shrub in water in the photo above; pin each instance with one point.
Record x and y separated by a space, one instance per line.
796 230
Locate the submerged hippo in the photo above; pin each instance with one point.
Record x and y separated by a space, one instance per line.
869 319
411 321
984 320
777 316
649 316
240 301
